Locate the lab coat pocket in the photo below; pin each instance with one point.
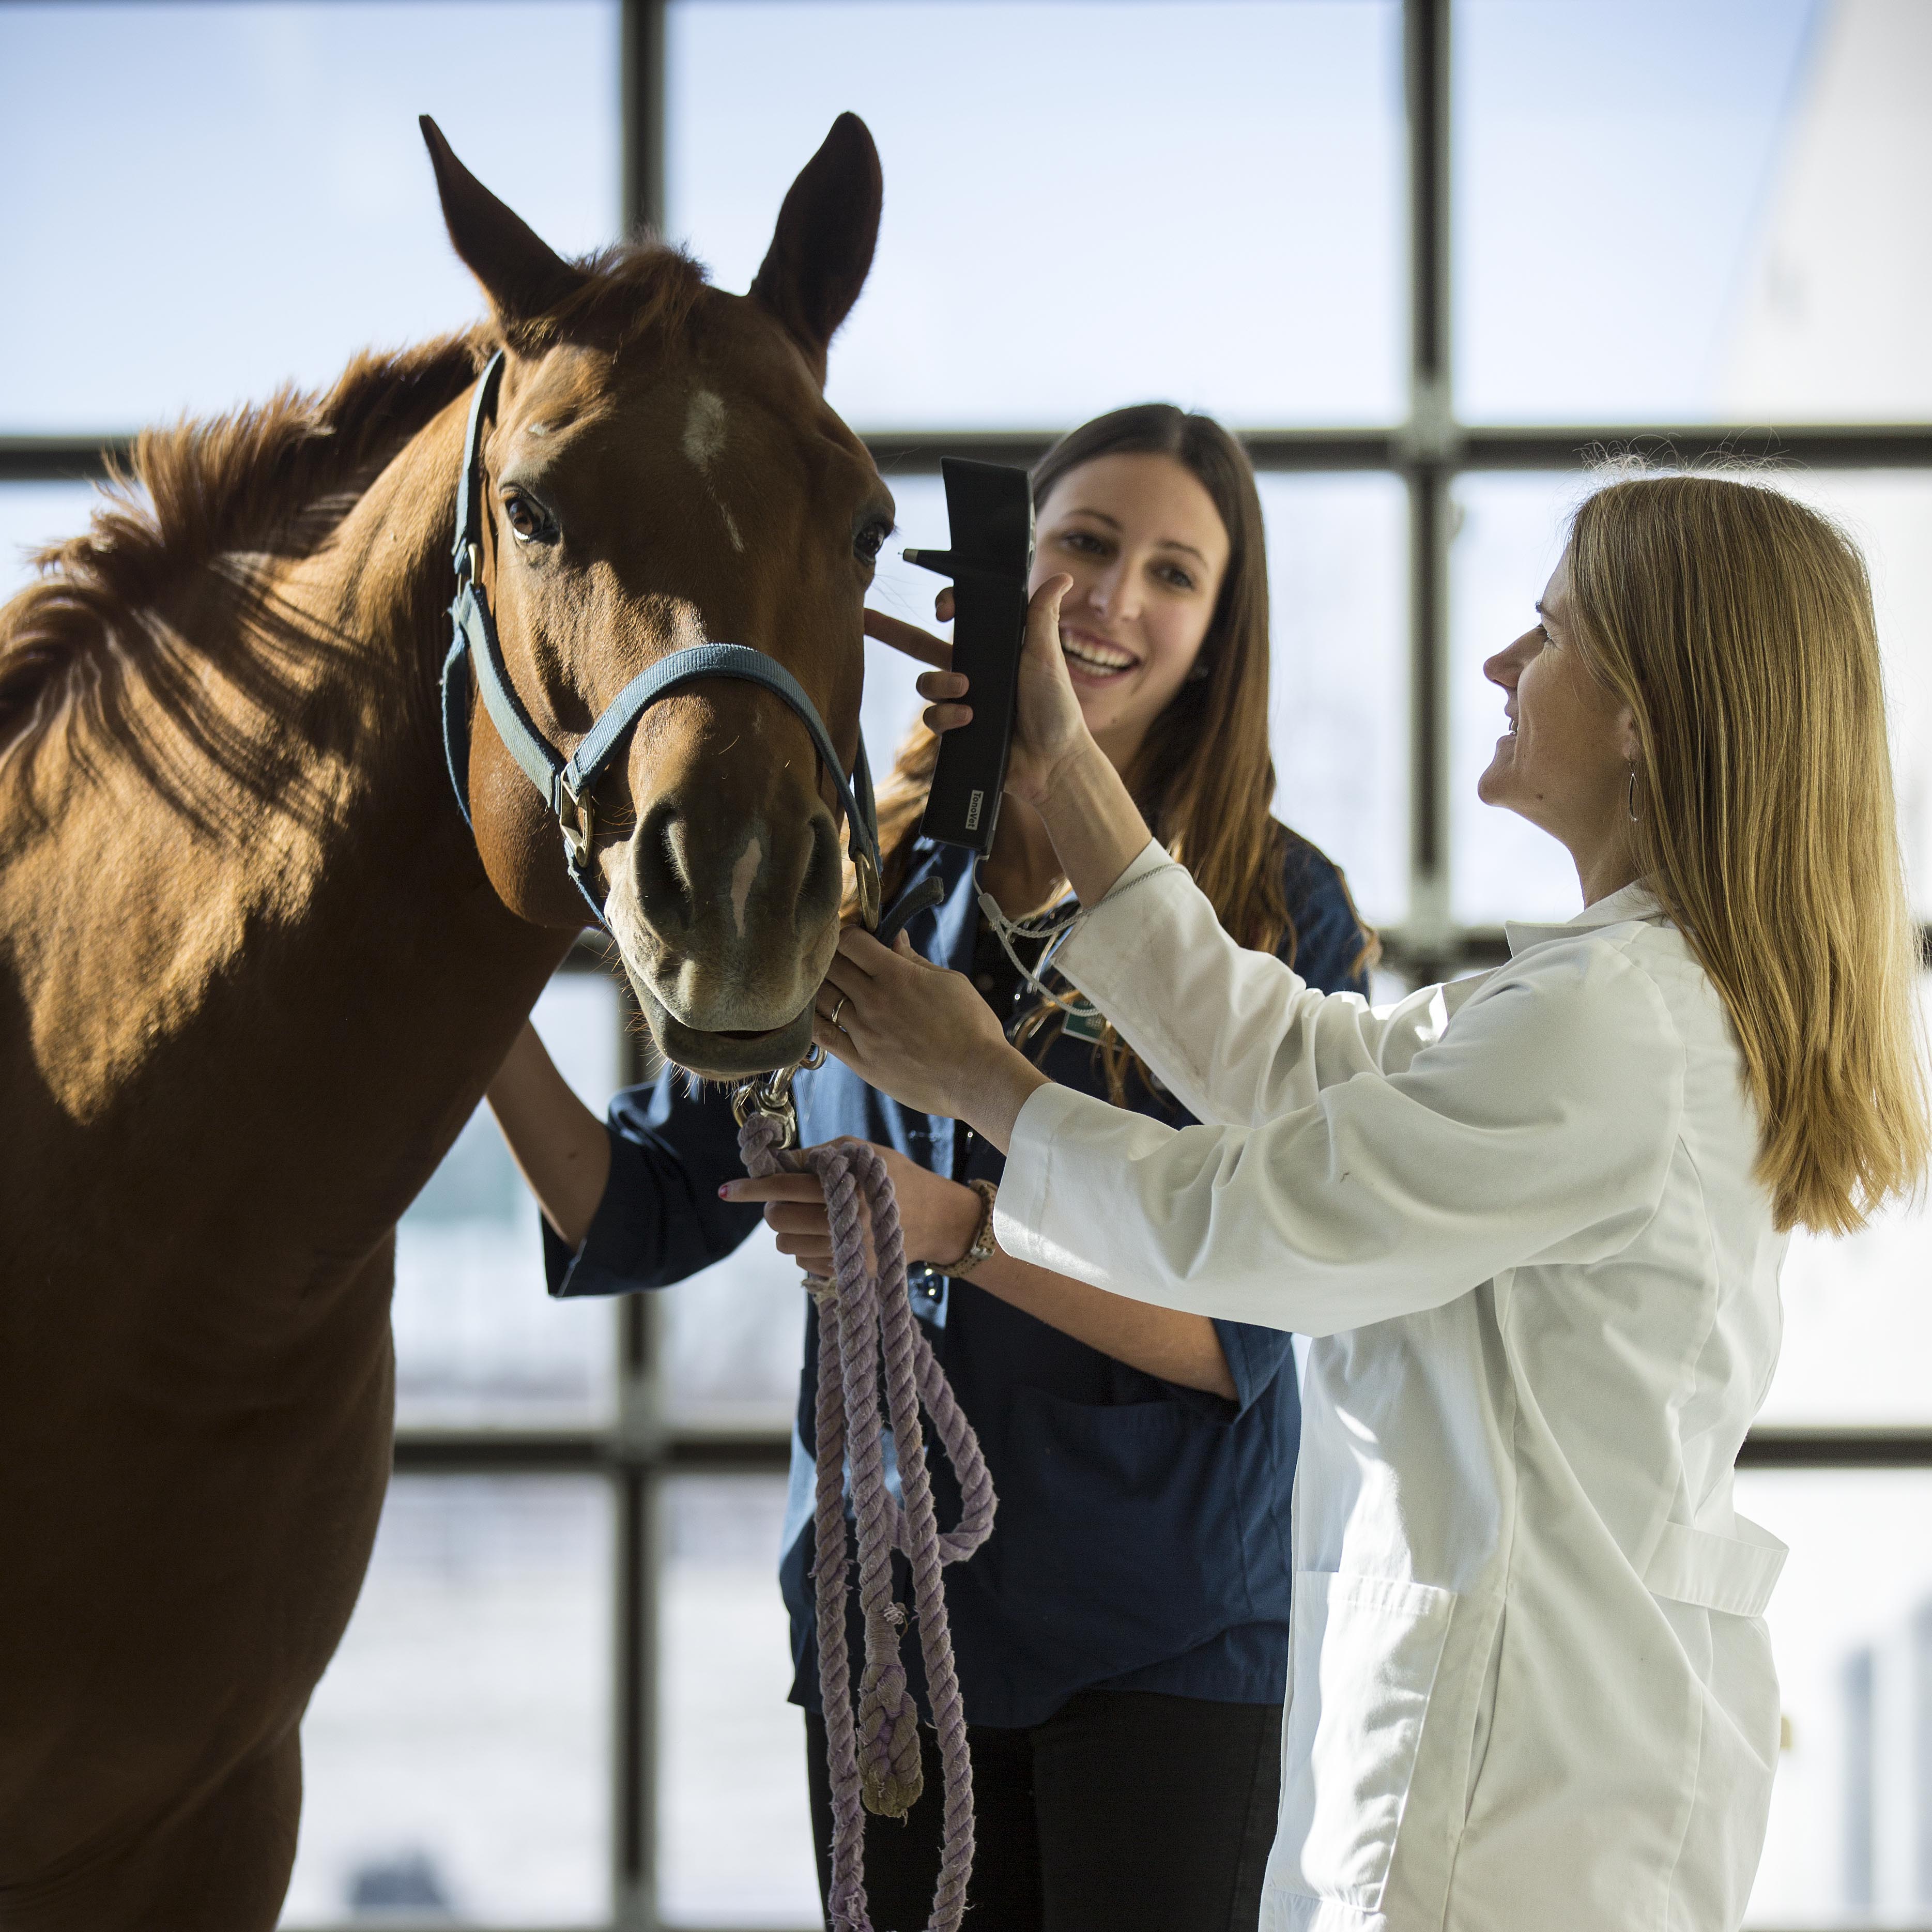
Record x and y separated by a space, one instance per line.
1366 1651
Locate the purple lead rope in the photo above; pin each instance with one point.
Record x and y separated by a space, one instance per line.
874 1758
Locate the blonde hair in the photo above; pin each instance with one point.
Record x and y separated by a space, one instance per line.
1737 625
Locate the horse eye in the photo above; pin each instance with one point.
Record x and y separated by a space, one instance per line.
870 541
526 520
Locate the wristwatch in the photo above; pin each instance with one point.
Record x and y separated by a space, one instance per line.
981 1247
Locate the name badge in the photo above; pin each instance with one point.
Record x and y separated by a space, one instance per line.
1088 1026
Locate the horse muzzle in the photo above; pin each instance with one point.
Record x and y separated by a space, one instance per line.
726 921
729 1055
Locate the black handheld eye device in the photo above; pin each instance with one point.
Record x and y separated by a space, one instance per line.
989 511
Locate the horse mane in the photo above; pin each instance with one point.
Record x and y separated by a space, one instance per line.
277 478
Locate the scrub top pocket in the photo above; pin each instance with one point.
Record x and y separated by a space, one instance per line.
1362 1667
1104 1602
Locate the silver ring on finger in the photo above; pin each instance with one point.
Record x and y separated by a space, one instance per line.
832 1021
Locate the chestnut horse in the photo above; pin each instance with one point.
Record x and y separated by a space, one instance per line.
257 970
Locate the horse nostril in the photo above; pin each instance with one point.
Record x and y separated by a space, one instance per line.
819 889
663 889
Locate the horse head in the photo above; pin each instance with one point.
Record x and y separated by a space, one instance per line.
662 470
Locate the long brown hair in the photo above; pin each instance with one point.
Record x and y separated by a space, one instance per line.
1204 777
1737 625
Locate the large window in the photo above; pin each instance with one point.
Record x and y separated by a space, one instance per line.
1428 256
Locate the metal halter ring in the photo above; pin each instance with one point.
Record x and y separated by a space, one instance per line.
771 1094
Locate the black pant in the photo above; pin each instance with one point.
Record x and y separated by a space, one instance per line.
1125 1811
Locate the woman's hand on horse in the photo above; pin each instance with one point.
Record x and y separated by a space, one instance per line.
1048 728
937 1217
921 1034
909 640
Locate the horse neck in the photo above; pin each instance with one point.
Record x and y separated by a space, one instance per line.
267 922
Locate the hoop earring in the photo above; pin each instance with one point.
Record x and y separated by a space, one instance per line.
1631 803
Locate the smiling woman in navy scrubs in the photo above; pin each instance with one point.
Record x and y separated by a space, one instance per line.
1122 1638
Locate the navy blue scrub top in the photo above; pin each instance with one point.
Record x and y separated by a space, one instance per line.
1142 1541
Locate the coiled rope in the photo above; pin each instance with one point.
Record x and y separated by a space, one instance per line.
874 1759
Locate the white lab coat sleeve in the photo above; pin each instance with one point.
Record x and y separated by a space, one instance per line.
1540 1127
1236 1036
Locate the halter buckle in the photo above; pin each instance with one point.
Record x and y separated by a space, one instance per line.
868 889
577 838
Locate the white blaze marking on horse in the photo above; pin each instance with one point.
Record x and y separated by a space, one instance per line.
743 874
704 428
704 443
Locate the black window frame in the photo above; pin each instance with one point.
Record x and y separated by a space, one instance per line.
643 1445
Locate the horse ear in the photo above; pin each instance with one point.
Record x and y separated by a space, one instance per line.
524 277
821 251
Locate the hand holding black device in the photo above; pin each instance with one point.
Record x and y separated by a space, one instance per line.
989 511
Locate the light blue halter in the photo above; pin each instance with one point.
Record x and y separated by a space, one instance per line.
566 784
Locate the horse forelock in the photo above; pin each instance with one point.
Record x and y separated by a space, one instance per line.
632 291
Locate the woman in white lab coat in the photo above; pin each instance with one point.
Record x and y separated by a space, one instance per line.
1534 1221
